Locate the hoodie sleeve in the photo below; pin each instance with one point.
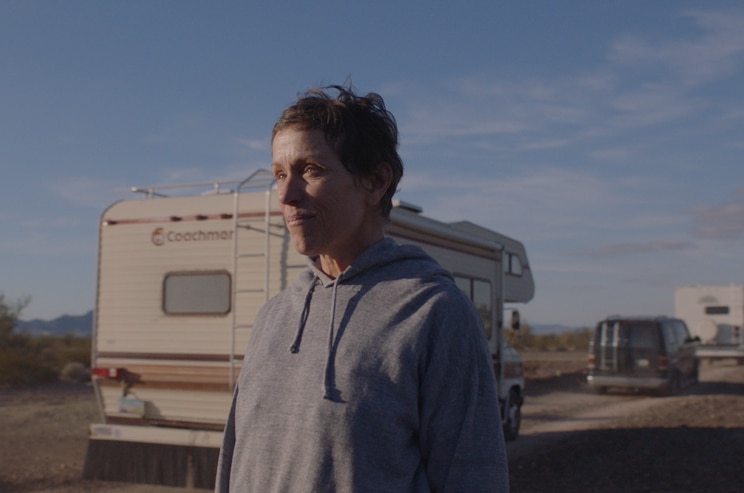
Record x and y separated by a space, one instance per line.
461 435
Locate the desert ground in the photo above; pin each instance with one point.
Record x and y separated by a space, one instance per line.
572 439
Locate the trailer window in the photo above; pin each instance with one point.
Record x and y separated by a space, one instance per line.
464 284
482 300
512 264
716 310
196 293
479 292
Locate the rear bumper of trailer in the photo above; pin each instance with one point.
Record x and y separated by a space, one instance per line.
720 352
151 455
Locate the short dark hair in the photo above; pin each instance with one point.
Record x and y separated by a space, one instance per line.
359 128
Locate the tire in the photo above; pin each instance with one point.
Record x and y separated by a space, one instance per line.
513 416
673 385
695 374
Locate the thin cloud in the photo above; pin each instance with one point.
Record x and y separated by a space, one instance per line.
720 222
539 264
650 104
713 54
733 112
89 192
646 82
625 249
253 144
491 107
611 154
544 204
547 144
49 241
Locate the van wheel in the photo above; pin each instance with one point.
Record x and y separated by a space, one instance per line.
673 385
513 416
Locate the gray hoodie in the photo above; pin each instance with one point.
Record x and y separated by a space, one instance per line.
377 381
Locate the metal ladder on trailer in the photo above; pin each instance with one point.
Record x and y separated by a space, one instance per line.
260 180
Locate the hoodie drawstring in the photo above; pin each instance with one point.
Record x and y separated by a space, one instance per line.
329 388
295 347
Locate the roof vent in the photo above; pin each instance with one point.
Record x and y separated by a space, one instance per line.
407 206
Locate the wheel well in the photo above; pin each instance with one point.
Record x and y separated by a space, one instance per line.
517 390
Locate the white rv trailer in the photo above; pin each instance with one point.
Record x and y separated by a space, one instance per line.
715 314
180 280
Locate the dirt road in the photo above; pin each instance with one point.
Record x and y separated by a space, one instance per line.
571 440
576 440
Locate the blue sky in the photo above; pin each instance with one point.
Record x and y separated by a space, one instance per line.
607 136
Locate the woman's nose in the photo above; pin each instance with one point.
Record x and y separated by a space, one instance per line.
289 191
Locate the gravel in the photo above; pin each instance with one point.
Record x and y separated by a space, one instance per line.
690 442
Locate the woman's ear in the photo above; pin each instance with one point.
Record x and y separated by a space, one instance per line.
378 182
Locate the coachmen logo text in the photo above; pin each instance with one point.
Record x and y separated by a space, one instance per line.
160 236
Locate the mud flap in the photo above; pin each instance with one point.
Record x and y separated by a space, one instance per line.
151 463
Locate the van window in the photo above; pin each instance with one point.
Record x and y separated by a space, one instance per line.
682 333
672 337
196 293
644 336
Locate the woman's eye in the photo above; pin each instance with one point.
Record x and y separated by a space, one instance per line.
312 170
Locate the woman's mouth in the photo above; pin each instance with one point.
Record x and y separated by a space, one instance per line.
297 218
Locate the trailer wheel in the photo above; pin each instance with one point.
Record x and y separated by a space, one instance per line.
513 416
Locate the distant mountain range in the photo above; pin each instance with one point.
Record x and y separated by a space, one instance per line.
75 325
82 326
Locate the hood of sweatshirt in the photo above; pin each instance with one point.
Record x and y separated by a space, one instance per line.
379 262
